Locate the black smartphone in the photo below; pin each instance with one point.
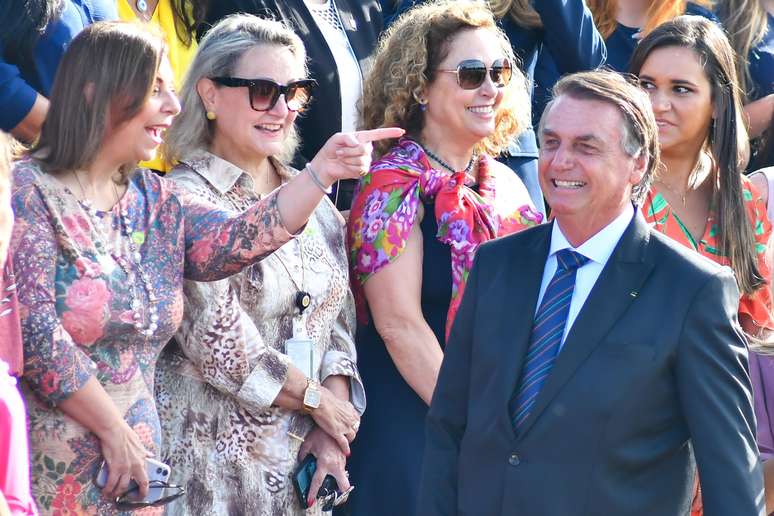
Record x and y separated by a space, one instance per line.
302 481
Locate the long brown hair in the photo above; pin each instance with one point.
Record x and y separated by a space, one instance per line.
406 61
107 74
660 11
521 11
726 139
746 23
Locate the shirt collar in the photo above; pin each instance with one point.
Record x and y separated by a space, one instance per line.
222 174
599 247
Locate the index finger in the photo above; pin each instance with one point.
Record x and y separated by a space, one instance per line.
141 478
382 133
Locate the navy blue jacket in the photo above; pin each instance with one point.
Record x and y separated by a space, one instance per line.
20 84
568 31
761 60
646 387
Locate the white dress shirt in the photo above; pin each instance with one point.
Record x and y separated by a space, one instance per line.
350 77
597 249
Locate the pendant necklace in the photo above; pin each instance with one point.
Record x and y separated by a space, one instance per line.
674 192
303 299
146 326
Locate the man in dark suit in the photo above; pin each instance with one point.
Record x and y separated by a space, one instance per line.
593 364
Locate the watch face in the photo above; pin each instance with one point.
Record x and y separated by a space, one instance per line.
312 398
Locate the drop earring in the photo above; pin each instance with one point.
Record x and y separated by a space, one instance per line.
423 106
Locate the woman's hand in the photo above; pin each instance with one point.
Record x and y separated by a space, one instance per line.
330 460
125 457
337 418
348 155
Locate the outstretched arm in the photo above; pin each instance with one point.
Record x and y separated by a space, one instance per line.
219 244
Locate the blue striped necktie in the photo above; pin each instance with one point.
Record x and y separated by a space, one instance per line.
546 336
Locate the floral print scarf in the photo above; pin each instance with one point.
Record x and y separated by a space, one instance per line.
385 210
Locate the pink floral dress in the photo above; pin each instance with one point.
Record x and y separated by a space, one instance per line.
76 310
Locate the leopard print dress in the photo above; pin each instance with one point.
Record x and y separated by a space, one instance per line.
215 384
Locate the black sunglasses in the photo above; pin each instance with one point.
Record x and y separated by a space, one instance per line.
471 73
264 93
159 493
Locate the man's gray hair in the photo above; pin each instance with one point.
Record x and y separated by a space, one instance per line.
639 132
219 52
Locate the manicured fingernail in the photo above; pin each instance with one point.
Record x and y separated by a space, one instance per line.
310 502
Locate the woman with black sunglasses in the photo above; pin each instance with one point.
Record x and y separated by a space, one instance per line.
444 73
262 371
340 37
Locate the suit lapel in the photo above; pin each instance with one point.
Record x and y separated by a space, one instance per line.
615 289
518 296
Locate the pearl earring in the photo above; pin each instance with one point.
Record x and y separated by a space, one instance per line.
210 115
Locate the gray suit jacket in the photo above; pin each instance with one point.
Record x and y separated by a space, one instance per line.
652 380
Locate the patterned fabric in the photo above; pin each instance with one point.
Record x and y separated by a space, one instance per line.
546 335
226 442
660 215
75 306
10 331
385 210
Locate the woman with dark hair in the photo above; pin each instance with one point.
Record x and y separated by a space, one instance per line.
34 35
101 251
175 18
444 73
700 197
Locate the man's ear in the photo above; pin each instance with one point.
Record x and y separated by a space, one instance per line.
640 167
207 91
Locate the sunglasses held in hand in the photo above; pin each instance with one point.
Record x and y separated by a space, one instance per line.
159 493
264 93
471 73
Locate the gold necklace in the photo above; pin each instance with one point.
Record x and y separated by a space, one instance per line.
681 196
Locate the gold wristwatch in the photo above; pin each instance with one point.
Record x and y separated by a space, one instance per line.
311 396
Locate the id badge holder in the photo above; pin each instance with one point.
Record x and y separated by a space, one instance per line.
300 349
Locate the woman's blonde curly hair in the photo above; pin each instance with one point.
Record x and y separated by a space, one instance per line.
405 63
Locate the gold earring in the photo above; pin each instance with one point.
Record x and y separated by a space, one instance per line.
210 115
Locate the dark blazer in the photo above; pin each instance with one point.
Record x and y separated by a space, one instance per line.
362 20
652 379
